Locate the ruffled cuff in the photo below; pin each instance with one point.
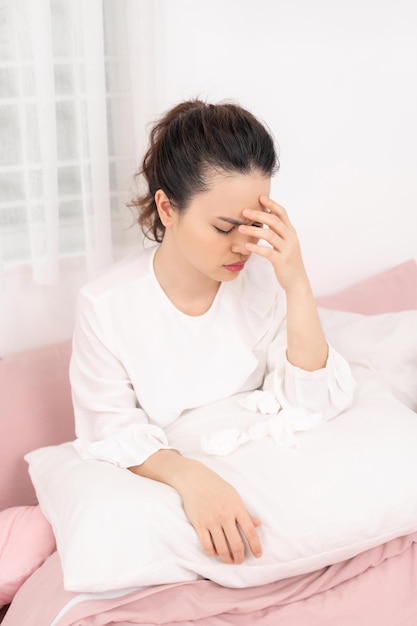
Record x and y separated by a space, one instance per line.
328 391
132 446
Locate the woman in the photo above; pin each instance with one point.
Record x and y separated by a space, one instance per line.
209 312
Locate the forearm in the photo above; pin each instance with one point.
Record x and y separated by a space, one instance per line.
306 344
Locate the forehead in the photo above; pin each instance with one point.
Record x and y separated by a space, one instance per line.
230 193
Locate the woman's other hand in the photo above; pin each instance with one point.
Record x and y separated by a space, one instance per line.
219 516
212 505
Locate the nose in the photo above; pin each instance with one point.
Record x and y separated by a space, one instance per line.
239 241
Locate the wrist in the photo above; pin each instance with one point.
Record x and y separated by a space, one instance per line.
299 289
184 473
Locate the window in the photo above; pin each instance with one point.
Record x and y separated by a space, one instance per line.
67 132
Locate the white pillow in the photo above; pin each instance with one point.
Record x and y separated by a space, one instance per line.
384 344
349 485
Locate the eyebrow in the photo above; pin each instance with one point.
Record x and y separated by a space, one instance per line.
229 220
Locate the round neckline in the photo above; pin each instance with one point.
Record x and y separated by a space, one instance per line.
169 301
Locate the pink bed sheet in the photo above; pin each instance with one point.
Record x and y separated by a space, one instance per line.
375 588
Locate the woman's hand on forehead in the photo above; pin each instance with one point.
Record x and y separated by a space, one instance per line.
284 250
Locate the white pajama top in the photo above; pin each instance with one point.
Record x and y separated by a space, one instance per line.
138 362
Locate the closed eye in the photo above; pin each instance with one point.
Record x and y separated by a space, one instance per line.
224 232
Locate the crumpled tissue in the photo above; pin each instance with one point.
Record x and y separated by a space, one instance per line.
281 427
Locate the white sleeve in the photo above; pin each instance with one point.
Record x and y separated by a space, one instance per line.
328 391
109 423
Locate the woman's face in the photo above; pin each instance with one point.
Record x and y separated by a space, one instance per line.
205 236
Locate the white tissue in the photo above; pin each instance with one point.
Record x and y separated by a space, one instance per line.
261 402
281 427
223 442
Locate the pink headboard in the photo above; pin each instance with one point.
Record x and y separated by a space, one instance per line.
35 411
390 291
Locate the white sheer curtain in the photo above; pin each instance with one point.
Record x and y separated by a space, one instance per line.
76 90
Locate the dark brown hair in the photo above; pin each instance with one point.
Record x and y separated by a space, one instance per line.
188 143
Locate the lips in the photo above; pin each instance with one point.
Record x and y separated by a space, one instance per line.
235 267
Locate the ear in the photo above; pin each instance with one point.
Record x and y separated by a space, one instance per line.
166 213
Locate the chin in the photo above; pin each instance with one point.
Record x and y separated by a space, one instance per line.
227 276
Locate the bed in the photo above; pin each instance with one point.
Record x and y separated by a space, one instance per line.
373 580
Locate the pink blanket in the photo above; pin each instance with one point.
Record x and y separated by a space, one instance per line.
375 588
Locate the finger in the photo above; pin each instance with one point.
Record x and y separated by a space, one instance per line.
271 220
235 543
221 546
265 251
277 243
272 236
207 543
255 521
251 535
276 208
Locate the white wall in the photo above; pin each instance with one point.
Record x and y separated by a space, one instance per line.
35 315
336 81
